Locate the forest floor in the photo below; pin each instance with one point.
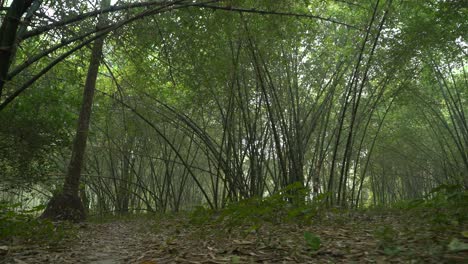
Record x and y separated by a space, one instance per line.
345 237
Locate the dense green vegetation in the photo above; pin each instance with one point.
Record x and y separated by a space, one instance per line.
237 114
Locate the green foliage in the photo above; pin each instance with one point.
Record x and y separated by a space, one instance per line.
251 211
236 76
408 204
386 234
448 195
201 215
445 205
451 204
387 237
289 204
24 224
286 204
457 245
35 129
312 241
443 196
391 251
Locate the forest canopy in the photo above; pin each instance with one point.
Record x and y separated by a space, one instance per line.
205 103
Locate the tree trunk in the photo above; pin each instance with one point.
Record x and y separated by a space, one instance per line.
67 204
8 32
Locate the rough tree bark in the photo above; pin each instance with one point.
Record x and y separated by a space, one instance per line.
67 204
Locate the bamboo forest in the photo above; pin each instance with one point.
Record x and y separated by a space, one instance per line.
233 131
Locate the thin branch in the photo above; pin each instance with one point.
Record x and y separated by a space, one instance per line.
166 8
265 12
83 16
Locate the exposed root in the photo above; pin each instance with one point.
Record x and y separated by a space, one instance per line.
65 207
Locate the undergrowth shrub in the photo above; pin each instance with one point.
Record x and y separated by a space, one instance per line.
201 215
24 224
448 196
290 203
446 204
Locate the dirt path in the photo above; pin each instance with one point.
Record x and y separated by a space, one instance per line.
347 239
108 243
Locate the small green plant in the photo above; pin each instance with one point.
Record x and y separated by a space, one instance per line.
312 241
445 206
448 195
392 250
386 234
201 215
286 205
457 245
15 222
289 204
246 212
388 237
449 204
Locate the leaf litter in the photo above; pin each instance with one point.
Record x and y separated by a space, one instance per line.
357 237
